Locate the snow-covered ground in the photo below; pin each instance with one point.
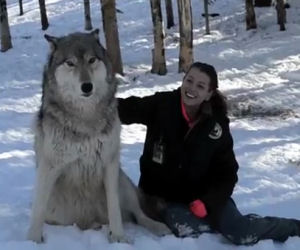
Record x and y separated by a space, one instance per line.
259 71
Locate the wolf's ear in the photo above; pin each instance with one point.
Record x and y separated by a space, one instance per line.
95 33
52 41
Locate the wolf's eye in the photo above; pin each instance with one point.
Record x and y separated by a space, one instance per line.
92 60
69 63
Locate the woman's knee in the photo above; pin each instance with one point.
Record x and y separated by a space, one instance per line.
239 232
236 227
183 223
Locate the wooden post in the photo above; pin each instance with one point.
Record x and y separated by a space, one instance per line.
250 15
110 27
158 53
4 28
206 17
186 35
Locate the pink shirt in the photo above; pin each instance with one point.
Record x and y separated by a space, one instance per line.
185 115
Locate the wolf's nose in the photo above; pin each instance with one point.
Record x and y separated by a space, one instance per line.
87 87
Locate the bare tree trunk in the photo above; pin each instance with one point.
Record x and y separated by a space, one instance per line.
4 27
250 15
21 7
206 17
281 14
158 54
186 35
44 19
170 16
110 27
87 15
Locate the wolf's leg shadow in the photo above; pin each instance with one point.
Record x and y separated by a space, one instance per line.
131 201
155 227
46 178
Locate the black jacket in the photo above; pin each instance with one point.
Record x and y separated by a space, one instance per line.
178 164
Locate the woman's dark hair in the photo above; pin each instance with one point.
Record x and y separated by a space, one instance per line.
217 100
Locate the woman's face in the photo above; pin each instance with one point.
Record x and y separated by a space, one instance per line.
195 88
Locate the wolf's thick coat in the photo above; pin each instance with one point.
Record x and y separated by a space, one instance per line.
77 144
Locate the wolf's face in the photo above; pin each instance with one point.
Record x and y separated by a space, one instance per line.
82 79
81 69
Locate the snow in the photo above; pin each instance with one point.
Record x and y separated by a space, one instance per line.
259 71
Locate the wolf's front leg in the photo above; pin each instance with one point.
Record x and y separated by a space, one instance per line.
111 183
46 177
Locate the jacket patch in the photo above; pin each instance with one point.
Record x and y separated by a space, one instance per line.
158 152
216 133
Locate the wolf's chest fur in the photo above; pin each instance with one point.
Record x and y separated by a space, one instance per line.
80 157
87 165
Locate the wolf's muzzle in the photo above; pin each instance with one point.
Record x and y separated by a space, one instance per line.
87 88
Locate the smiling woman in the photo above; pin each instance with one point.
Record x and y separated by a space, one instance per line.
199 84
195 89
188 161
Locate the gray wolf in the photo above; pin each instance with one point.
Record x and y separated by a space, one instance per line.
77 144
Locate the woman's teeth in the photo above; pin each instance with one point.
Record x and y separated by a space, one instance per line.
190 95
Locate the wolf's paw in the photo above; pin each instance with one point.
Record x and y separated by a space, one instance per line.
112 238
162 230
96 226
34 236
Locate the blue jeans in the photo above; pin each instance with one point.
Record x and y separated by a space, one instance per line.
237 228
